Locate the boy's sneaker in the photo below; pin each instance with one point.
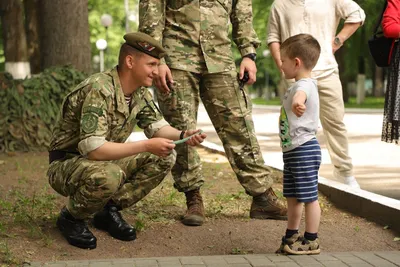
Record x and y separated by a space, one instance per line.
287 241
303 247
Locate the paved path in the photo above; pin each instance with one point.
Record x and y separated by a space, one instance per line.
376 163
342 259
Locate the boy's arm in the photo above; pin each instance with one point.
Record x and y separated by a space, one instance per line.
298 103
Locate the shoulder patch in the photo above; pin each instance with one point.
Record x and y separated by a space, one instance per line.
89 122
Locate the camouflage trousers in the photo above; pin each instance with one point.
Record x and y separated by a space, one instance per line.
91 184
229 109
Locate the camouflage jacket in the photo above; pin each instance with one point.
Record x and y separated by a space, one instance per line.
195 33
97 112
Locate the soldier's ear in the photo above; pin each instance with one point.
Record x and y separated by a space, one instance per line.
130 61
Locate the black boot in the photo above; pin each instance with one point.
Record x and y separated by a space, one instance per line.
75 231
110 220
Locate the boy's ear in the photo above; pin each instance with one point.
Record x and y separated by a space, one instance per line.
298 61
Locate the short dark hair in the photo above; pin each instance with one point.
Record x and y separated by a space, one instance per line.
303 46
127 50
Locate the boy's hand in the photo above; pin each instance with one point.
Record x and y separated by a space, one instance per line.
298 103
298 108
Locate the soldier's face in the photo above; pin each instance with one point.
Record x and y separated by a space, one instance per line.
146 68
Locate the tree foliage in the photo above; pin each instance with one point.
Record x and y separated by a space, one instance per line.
355 56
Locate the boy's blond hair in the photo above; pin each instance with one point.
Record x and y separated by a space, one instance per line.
303 46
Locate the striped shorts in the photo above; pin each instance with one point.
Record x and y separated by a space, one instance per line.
300 171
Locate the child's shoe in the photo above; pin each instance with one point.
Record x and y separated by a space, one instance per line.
287 241
303 247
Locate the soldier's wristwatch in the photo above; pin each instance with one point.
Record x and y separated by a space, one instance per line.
337 41
252 56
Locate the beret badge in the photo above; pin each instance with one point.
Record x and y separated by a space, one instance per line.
146 46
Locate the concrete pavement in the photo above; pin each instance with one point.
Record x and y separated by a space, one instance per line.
359 259
376 163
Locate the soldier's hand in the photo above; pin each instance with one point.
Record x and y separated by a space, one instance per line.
196 139
249 66
161 147
163 79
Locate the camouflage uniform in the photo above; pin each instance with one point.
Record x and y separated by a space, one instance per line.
195 34
94 113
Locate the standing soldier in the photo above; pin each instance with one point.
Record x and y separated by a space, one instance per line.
199 64
91 163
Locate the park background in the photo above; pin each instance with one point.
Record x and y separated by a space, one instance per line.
56 41
45 33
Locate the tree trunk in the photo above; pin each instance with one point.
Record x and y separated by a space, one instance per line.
378 88
65 34
32 31
14 38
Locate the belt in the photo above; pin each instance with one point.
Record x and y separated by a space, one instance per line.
59 155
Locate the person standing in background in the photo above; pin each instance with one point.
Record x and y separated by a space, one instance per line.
320 18
391 115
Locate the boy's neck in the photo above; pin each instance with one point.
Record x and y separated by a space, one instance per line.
302 74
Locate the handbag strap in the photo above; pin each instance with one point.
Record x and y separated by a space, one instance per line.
380 18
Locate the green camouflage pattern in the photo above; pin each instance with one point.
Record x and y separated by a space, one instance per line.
229 108
195 33
97 110
91 184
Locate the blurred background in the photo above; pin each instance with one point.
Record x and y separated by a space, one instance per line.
38 34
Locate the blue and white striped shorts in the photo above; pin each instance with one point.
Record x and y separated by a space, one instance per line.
300 171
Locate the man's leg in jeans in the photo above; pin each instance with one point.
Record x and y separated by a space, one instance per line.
331 116
229 108
180 108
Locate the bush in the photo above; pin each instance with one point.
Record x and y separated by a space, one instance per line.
29 108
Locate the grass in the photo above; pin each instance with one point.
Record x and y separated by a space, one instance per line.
369 102
29 207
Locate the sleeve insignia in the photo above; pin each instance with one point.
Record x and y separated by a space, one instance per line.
89 122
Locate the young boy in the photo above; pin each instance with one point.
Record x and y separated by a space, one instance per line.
298 124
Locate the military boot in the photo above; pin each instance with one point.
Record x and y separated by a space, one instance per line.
110 220
195 209
267 206
75 231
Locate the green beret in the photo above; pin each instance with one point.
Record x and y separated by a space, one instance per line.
145 43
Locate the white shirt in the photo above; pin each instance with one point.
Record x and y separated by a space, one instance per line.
320 18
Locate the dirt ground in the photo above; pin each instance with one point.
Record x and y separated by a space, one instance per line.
29 208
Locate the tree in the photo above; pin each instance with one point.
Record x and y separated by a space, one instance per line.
14 38
65 34
32 14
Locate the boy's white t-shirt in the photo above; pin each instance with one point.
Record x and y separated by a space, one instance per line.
295 131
